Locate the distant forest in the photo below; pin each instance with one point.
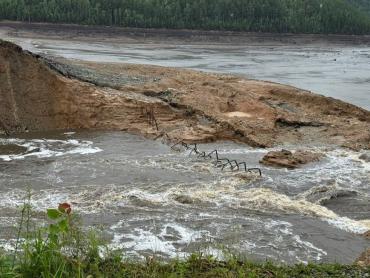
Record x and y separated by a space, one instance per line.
295 16
361 4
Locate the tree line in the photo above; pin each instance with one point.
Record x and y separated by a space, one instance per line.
296 16
361 4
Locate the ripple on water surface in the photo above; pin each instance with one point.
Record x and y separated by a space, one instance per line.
150 199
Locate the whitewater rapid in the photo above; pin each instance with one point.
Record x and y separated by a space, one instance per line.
149 199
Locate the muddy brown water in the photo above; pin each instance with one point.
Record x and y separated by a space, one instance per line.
149 199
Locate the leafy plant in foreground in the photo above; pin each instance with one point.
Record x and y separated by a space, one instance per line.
63 249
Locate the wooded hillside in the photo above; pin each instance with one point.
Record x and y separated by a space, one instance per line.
297 16
363 5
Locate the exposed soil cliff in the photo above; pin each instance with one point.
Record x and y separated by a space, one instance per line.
35 94
34 97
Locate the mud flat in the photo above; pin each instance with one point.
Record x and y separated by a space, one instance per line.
150 199
186 104
335 66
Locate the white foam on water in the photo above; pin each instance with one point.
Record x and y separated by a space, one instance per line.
347 165
4 141
153 198
45 148
92 199
146 240
83 150
356 158
172 238
249 245
160 163
87 199
141 240
340 165
186 235
39 201
6 158
8 245
6 221
320 193
310 246
285 229
267 200
281 226
350 225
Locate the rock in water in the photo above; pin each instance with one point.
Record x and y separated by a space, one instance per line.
288 159
183 199
365 157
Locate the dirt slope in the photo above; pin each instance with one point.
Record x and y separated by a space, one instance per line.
34 97
186 104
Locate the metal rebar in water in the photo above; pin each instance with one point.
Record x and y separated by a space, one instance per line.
245 165
176 144
210 154
255 169
224 165
236 165
218 161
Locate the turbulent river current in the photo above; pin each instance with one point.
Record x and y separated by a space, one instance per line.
150 199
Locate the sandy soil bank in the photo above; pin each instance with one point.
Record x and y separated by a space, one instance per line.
38 95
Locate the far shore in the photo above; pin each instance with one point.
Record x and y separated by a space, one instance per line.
74 31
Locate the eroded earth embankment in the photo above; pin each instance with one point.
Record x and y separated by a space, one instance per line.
39 94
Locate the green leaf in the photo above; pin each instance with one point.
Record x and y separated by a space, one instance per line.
53 239
54 229
53 214
63 225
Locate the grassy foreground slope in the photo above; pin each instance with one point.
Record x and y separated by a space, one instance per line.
297 16
195 266
63 249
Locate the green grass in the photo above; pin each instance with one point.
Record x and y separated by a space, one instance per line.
62 249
